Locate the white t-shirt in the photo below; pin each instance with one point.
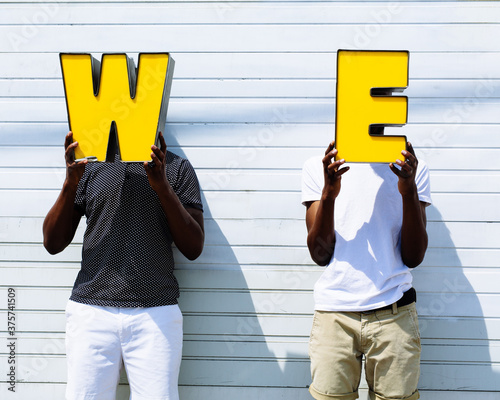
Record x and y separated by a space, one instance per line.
366 270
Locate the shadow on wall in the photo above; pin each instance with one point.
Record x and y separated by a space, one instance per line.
232 344
227 322
454 328
225 352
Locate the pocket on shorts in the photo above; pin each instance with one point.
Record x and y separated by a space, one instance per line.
314 326
68 311
180 317
412 312
314 330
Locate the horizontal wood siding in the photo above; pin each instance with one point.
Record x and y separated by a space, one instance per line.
253 97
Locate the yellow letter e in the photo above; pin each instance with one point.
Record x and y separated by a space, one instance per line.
365 105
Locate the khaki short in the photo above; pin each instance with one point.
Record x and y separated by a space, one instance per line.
390 342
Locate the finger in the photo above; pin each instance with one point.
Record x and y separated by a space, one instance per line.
405 165
338 163
409 157
72 146
163 144
68 139
155 158
78 164
69 153
342 171
333 168
149 167
410 153
163 147
330 147
410 149
327 160
158 154
405 170
336 175
396 170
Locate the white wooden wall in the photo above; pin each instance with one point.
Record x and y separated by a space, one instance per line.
252 99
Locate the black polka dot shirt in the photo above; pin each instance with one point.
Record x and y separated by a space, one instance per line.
127 258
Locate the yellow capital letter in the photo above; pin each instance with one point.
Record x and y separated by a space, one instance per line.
114 104
365 82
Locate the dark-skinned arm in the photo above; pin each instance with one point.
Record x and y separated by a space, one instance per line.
62 220
186 224
413 231
320 214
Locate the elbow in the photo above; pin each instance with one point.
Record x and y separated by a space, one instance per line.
320 253
195 250
413 252
322 262
51 247
53 244
321 257
50 240
413 262
193 255
415 259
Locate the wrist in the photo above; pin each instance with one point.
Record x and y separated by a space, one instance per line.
410 195
408 188
70 185
164 191
329 193
161 186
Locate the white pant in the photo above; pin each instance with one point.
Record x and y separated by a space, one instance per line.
147 340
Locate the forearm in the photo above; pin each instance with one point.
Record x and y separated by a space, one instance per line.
187 232
413 232
321 230
59 224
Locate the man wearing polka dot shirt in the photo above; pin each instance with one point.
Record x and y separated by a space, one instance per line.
123 307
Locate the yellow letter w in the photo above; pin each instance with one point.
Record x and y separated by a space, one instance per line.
112 106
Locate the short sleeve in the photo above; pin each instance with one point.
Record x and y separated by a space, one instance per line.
422 181
312 180
187 186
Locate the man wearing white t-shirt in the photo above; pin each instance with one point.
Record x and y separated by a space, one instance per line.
369 233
